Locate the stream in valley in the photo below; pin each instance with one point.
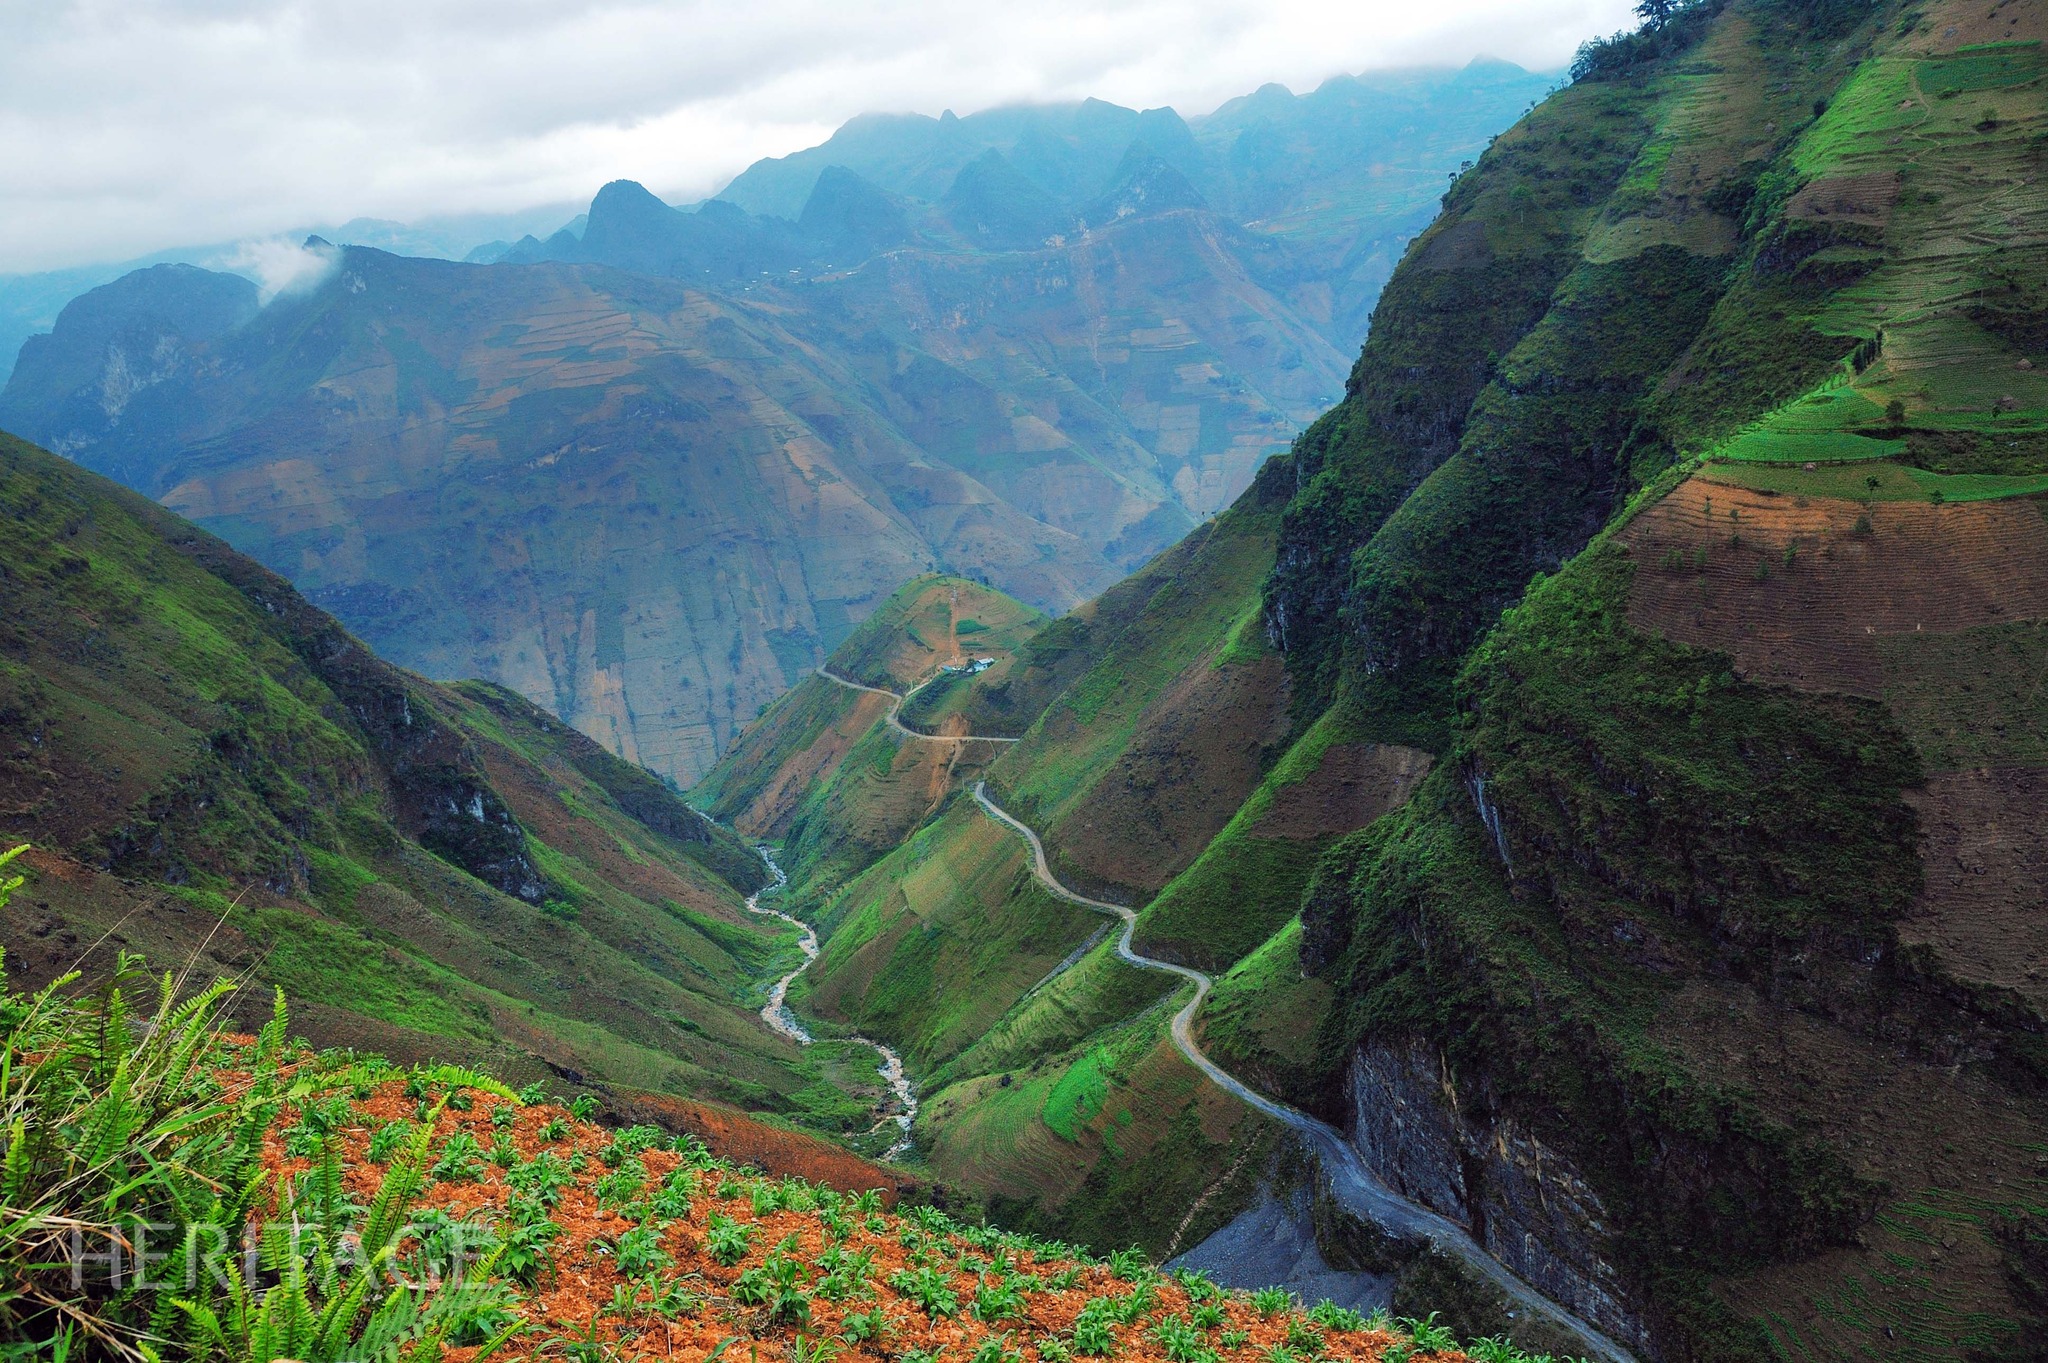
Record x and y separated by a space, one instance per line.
776 1012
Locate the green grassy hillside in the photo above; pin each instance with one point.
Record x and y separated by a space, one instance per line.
211 769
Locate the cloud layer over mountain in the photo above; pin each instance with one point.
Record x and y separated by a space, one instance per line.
130 125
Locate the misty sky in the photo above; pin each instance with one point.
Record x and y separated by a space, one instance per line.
128 126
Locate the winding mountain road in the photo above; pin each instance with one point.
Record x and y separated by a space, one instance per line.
902 699
1355 1187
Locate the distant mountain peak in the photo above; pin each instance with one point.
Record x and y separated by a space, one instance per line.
993 203
847 212
1145 183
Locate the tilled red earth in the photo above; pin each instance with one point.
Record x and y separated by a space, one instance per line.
580 1305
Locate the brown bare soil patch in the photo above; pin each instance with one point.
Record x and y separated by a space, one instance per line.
1800 589
768 814
1354 784
1848 198
1953 24
747 1140
1200 749
537 805
1984 908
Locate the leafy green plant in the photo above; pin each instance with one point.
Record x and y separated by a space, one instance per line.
1331 1316
1093 1332
1233 1339
804 1349
776 1284
1182 1340
1429 1336
504 1153
670 1299
844 1275
476 1312
1209 1314
997 1300
621 1186
542 1178
1271 1301
526 1250
459 1162
1135 1305
387 1140
317 1120
1052 1349
1304 1338
864 1327
799 1196
672 1200
635 1140
930 1288
1130 1264
583 1106
994 1349
726 1240
639 1251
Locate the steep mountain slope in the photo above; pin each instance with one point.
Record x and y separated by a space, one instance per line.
212 770
1663 923
996 990
1676 931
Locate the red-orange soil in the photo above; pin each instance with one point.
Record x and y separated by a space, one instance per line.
575 1294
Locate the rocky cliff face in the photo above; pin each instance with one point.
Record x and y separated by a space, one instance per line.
1522 1199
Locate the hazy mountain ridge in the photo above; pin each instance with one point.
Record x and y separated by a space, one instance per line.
930 398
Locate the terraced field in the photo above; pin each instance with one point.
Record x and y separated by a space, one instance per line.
1805 590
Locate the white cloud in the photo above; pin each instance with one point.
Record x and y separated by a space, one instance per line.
282 265
132 125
